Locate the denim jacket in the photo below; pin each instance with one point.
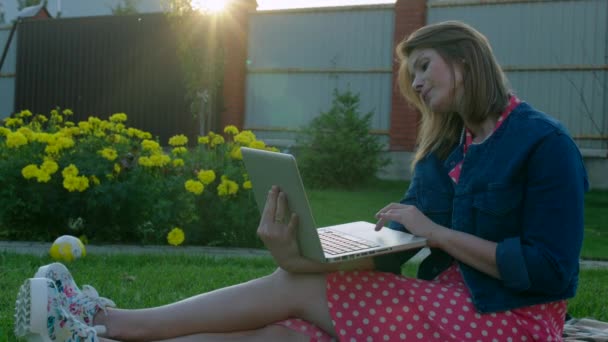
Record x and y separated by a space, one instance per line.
523 188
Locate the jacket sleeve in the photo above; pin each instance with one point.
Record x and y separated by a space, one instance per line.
545 257
392 262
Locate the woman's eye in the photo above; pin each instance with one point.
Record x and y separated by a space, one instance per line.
424 66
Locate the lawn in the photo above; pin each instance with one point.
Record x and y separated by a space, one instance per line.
150 280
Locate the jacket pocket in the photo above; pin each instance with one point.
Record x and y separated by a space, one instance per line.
436 205
498 211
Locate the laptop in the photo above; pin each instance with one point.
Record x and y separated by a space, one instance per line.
324 244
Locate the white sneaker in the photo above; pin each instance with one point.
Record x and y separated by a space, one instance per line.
84 303
40 315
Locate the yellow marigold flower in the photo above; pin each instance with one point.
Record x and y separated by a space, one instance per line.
180 150
145 161
13 122
4 131
52 149
231 129
41 118
194 186
178 140
65 142
150 145
85 126
24 114
236 153
75 183
74 131
117 168
178 162
70 171
260 145
245 138
176 236
203 140
118 117
227 187
15 139
109 153
247 185
71 183
42 176
217 140
206 176
49 166
94 180
29 171
55 116
83 183
119 127
94 121
68 112
159 159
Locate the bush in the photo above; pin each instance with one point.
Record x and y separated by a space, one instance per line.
113 183
337 149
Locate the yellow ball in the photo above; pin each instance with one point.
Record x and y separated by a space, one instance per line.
67 248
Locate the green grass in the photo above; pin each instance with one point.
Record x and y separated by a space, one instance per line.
151 280
595 245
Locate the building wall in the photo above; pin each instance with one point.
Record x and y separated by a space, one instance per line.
297 58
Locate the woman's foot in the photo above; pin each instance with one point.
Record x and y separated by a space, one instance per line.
41 315
84 303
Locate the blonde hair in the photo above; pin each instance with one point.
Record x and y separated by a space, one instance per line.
485 87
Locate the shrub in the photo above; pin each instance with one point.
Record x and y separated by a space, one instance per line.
114 183
337 149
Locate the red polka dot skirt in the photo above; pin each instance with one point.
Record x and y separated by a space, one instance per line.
374 306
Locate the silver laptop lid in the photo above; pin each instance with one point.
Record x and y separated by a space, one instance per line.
266 169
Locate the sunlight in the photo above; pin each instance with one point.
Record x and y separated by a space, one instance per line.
212 6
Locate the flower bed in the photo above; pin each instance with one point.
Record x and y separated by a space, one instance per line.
108 182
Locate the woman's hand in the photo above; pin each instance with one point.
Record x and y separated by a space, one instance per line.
277 230
410 217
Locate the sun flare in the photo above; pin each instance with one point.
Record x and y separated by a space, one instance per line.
213 6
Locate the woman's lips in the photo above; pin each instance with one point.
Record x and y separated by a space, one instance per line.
424 96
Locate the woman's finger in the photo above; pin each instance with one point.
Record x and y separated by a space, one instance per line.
281 212
271 205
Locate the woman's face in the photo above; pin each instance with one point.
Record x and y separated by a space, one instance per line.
438 87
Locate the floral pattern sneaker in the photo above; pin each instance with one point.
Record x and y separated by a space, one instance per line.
40 315
84 303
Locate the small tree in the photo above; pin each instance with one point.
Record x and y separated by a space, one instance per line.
337 148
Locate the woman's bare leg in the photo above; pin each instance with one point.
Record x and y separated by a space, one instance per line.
248 306
268 333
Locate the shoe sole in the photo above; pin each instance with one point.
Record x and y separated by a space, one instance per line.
30 323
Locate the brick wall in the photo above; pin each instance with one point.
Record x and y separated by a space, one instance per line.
409 16
236 32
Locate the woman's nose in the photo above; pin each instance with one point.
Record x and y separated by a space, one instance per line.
417 85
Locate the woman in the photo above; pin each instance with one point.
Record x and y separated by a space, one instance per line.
497 191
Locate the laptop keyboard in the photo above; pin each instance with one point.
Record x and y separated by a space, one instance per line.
334 242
